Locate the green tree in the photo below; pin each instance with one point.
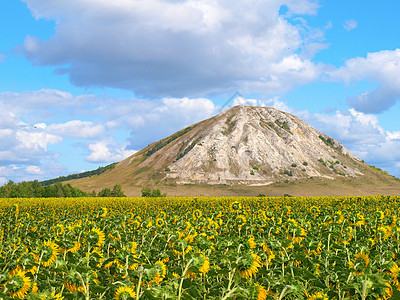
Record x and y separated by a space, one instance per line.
117 191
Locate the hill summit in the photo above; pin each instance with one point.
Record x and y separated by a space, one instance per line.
244 145
252 145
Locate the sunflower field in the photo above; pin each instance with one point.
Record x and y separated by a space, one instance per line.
200 248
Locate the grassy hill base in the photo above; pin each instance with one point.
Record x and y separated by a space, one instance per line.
304 187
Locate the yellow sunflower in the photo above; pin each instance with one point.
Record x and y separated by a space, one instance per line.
240 221
379 214
104 212
383 232
96 237
124 292
248 265
200 265
236 205
252 243
19 284
73 282
197 214
361 260
161 271
162 215
318 296
261 292
49 253
159 222
59 229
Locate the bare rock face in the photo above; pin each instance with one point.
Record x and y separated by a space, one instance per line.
247 145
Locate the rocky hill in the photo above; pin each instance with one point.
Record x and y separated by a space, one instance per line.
243 146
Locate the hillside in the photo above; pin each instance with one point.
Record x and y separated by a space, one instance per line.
246 151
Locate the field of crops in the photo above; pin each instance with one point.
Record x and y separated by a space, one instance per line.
200 248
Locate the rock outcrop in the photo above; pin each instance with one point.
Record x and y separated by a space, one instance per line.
246 145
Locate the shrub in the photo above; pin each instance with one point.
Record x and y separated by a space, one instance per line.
147 192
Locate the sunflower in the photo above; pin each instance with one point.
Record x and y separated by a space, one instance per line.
159 222
49 253
28 260
73 282
248 265
361 260
56 296
205 266
136 224
162 215
197 214
240 221
19 284
314 210
124 292
236 205
318 296
96 237
394 271
74 248
379 215
200 265
261 292
59 229
269 252
161 271
252 243
104 212
382 233
348 235
212 225
360 220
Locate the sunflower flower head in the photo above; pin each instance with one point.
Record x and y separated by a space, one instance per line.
248 265
18 285
49 253
96 237
124 292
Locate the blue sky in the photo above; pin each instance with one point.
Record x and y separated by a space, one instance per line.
87 83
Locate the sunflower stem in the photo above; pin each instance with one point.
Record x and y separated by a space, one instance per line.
229 293
139 282
183 277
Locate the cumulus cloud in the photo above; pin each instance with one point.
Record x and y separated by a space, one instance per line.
350 25
178 48
77 129
160 119
35 125
106 152
35 170
381 68
362 134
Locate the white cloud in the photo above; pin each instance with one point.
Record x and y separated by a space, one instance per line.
350 25
178 48
106 152
3 181
34 170
77 129
164 118
380 67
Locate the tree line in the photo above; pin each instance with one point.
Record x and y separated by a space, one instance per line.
35 189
